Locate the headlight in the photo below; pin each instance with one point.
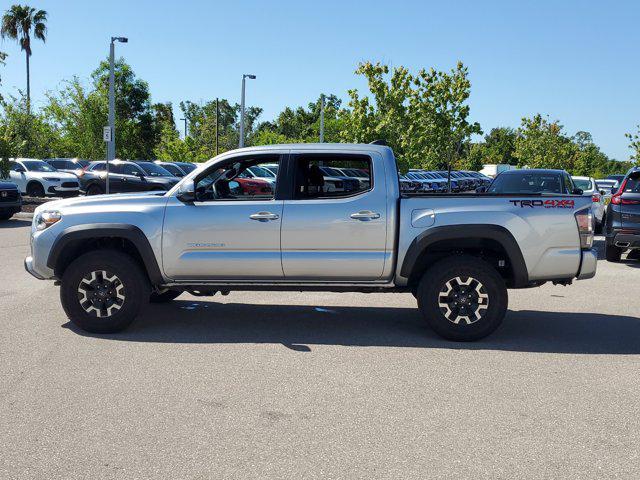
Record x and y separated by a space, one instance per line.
45 219
52 179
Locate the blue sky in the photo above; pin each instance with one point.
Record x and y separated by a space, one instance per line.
576 61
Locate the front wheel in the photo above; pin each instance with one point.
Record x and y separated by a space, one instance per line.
462 298
103 291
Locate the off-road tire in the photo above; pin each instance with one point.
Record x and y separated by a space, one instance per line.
79 283
481 298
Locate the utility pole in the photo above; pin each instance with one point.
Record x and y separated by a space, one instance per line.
322 118
244 77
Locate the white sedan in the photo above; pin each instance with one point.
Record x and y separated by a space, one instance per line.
36 178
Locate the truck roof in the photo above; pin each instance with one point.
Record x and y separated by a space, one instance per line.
318 146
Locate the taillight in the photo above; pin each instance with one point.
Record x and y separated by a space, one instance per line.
584 219
595 198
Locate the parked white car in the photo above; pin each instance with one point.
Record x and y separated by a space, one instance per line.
598 206
36 178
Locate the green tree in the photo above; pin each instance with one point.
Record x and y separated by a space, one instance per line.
17 23
201 121
78 113
634 145
423 117
303 124
542 144
25 134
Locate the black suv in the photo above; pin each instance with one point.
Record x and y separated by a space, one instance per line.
125 177
623 217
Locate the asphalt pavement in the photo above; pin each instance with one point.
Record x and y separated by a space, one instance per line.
260 385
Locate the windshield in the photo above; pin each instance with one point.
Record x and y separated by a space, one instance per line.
526 183
583 184
153 170
38 166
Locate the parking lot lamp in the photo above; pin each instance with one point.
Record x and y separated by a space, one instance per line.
244 77
111 145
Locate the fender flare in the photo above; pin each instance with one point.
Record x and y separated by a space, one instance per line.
112 230
422 242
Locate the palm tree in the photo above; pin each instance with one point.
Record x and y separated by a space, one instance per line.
17 24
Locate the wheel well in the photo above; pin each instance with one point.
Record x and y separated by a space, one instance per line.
490 250
75 248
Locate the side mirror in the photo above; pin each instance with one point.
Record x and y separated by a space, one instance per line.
20 170
602 192
481 189
577 191
186 193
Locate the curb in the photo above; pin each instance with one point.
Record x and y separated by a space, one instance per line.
24 215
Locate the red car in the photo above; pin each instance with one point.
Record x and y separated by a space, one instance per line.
253 186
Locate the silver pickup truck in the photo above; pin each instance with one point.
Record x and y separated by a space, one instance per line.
215 232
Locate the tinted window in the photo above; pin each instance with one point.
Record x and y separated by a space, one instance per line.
230 181
187 167
632 185
315 176
153 170
132 169
173 169
98 167
523 182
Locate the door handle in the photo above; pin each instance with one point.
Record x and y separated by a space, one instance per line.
264 216
365 215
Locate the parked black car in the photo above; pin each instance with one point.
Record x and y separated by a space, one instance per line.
10 200
125 177
622 229
534 181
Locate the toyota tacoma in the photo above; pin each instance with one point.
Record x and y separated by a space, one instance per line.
457 254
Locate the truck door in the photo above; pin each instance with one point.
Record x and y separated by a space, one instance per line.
335 231
227 233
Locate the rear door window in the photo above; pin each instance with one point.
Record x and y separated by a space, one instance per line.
316 175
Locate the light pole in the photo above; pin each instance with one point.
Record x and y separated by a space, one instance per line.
185 127
322 118
244 77
111 145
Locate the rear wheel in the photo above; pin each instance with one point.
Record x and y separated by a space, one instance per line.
612 253
35 189
462 298
6 215
166 296
103 291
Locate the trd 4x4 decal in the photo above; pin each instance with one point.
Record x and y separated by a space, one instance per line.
543 203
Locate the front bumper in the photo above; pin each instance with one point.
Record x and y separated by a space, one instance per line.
11 206
588 265
28 266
